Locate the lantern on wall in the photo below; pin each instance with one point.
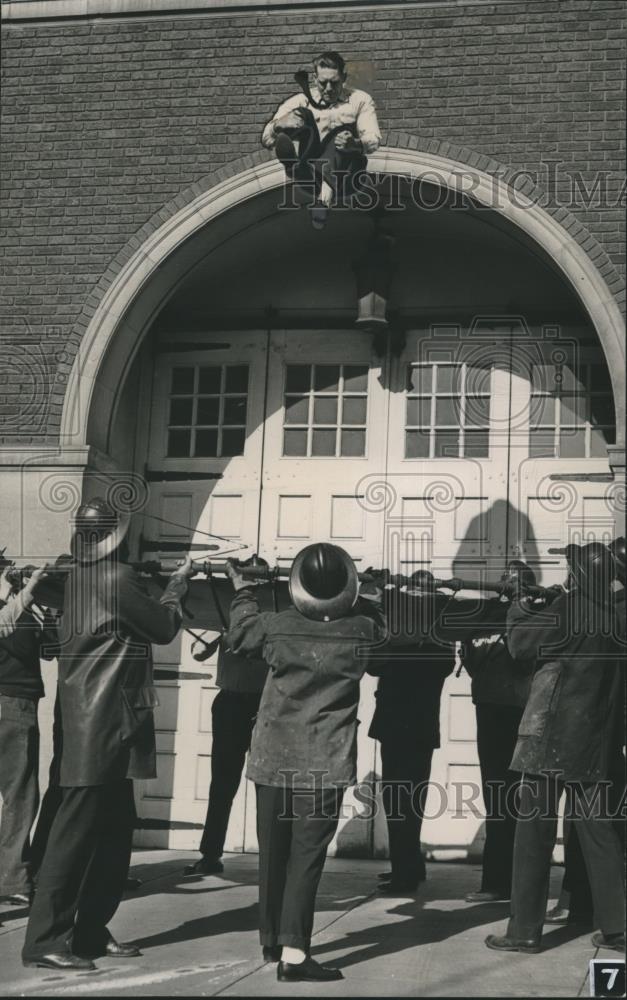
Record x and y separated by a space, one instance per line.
373 274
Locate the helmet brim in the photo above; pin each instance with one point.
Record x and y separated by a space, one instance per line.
86 552
319 608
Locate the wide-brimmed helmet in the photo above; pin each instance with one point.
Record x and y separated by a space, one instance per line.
323 582
592 567
98 530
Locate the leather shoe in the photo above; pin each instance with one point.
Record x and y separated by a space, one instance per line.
19 899
132 884
205 866
272 953
385 876
526 945
120 949
308 971
616 942
557 915
485 897
63 961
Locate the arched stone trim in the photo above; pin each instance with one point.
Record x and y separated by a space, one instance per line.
577 254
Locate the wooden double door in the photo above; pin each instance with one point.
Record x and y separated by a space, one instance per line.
264 442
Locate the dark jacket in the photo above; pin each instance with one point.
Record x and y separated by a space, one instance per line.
33 639
408 696
569 719
307 720
106 690
497 678
240 675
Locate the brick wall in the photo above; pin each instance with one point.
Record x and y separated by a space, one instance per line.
106 121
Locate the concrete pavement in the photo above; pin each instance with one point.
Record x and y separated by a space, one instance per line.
199 938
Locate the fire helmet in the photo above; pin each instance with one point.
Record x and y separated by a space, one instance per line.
323 582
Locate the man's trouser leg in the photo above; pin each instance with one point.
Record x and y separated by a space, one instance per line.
536 831
233 718
88 817
497 731
405 774
52 797
575 880
317 815
274 835
605 864
19 789
105 881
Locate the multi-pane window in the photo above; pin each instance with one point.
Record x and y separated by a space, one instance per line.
447 411
572 412
326 409
207 411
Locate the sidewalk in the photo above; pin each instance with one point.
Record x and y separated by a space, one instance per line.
199 938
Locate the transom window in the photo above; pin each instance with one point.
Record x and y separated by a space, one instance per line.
447 413
326 410
207 411
572 411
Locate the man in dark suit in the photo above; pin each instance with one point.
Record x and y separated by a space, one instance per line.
304 746
106 696
565 743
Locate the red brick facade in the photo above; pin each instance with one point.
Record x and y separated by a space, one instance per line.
111 124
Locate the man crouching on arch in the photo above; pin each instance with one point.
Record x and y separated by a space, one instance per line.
306 730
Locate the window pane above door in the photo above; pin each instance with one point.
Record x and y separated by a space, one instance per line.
325 411
207 411
447 411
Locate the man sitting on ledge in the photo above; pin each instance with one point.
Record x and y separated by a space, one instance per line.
335 127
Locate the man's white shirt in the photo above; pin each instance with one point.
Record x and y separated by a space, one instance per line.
352 107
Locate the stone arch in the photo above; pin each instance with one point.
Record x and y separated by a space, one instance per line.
118 311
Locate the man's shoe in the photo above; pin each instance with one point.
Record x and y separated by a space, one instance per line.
19 899
485 897
615 942
272 953
385 876
119 949
308 971
557 915
527 946
132 884
388 877
206 866
63 961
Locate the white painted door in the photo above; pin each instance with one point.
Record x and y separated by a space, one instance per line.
448 513
204 471
325 437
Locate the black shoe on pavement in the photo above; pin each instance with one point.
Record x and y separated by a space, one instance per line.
308 971
19 899
63 961
504 943
132 884
206 866
385 876
112 949
394 888
272 953
616 942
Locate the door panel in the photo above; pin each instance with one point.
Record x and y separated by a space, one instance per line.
326 414
204 470
448 512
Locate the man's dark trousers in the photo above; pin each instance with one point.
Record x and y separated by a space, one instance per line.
83 874
405 771
19 790
294 830
536 831
497 732
233 716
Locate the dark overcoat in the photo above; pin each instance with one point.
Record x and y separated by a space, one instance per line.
570 716
307 719
106 688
